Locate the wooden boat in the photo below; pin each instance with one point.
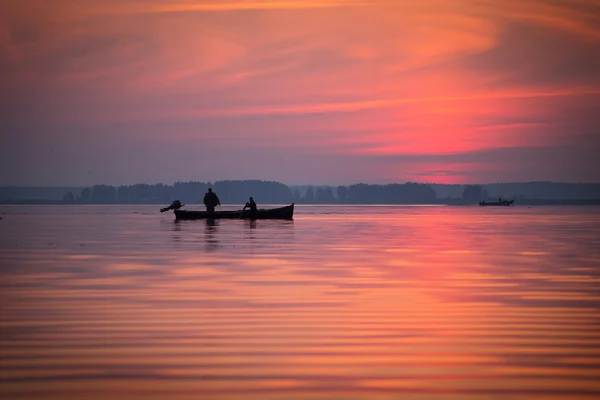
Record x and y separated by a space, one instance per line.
286 212
497 203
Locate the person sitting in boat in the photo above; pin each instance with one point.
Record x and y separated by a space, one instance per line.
251 205
211 200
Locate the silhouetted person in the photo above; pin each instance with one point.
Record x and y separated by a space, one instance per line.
211 200
251 205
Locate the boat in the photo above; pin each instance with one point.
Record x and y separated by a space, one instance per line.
286 212
497 203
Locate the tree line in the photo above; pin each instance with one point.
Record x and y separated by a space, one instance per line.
265 192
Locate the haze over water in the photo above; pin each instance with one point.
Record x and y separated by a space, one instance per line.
355 302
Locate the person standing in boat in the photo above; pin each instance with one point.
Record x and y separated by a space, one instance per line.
251 205
211 200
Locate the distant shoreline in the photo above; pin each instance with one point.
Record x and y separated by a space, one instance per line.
457 202
270 192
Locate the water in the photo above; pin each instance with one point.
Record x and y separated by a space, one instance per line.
375 302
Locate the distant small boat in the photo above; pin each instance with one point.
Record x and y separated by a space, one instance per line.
286 212
497 203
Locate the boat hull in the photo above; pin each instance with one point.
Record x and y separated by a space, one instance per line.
504 203
286 212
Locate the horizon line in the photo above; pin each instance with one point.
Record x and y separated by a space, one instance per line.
304 184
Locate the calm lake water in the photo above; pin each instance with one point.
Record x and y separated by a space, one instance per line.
373 302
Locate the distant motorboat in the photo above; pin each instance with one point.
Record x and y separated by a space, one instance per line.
497 203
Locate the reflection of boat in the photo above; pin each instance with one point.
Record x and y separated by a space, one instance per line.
286 212
497 203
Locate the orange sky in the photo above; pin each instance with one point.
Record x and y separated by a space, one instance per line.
127 91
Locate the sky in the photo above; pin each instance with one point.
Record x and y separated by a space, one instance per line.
300 92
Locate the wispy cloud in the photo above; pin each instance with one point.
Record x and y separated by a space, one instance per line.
133 7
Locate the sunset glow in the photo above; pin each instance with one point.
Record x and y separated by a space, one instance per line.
324 92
